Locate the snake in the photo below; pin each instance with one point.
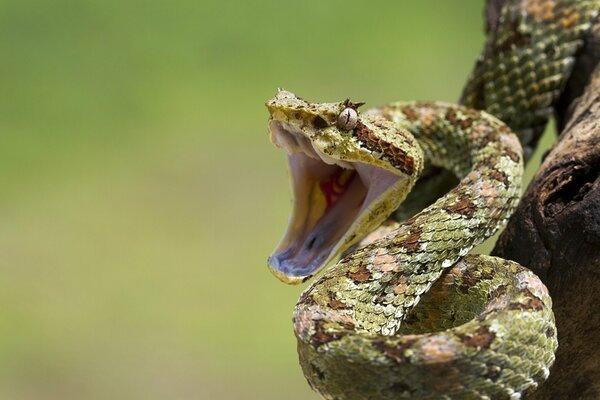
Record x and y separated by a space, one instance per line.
400 309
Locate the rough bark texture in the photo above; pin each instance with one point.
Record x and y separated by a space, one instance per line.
556 229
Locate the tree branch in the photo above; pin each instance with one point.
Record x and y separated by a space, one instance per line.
556 230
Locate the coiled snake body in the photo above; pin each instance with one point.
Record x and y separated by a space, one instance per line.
408 315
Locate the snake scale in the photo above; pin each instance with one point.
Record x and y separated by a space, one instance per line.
406 313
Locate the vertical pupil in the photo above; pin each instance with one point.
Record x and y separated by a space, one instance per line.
347 119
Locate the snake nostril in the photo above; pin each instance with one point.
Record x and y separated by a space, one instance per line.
311 243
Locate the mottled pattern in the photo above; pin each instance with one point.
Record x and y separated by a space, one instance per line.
410 315
484 330
526 62
529 55
363 332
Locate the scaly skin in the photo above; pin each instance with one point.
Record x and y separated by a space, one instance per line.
526 62
519 76
489 327
484 331
409 316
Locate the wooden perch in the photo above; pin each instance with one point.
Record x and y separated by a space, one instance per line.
555 231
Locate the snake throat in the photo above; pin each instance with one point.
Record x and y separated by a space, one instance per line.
329 197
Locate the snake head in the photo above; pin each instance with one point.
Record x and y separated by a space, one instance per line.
348 173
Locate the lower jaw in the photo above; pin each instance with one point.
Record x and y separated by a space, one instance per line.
325 207
319 227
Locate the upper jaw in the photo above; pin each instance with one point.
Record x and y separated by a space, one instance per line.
294 140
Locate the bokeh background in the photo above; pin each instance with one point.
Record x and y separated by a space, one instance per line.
140 195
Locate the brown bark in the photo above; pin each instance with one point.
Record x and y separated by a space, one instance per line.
556 230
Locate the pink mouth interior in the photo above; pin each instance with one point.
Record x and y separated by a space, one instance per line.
316 227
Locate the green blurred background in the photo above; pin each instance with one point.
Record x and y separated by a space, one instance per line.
140 195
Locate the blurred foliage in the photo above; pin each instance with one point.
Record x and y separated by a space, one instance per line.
140 194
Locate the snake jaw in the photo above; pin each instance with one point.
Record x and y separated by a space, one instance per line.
337 200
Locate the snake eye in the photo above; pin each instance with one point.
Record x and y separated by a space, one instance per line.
348 119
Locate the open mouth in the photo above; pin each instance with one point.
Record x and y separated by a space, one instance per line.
335 204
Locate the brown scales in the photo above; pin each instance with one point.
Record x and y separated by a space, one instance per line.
500 177
531 302
411 244
410 113
334 303
321 336
399 158
463 206
515 39
481 338
394 352
470 279
360 275
453 118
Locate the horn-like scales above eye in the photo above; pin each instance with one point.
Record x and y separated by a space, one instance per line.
348 119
